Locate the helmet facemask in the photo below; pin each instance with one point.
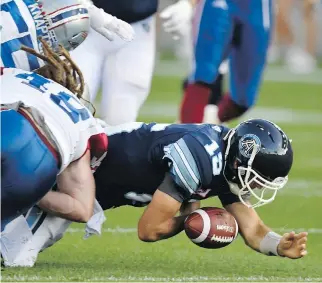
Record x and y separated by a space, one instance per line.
252 189
67 22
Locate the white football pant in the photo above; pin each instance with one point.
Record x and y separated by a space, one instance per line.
123 70
20 246
25 237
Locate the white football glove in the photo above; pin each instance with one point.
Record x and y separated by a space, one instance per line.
176 17
108 25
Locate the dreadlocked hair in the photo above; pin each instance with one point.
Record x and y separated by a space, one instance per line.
60 68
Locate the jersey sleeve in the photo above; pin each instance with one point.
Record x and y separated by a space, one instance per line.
169 187
189 165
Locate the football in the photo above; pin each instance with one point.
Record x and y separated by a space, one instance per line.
211 227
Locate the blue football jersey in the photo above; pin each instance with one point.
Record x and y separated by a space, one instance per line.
140 155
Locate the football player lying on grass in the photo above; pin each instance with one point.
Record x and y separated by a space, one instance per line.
170 168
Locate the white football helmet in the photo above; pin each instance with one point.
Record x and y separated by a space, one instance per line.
67 20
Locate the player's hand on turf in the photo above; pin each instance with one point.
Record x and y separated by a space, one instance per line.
176 17
108 25
293 245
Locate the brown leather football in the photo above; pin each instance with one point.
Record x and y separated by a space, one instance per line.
211 227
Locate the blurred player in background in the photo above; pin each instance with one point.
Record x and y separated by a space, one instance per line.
239 30
217 92
65 22
184 19
124 71
299 60
170 168
47 133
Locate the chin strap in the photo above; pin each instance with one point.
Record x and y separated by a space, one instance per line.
250 161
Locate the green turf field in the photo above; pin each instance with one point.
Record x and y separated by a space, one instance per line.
118 255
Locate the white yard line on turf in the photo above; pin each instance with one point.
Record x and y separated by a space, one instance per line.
272 73
124 230
278 115
305 188
195 279
294 187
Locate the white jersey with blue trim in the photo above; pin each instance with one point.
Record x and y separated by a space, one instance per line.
55 109
22 22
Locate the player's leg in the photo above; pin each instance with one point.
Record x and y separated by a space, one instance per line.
284 33
210 114
217 89
128 74
213 29
29 168
310 18
41 230
247 62
89 58
47 229
217 92
14 237
304 60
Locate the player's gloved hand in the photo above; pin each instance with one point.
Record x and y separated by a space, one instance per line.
108 25
293 245
176 17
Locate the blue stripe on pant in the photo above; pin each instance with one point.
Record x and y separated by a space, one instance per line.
212 43
29 169
247 57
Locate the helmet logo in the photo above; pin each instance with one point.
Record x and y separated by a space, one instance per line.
247 144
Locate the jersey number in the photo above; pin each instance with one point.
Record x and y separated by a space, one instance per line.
216 157
63 100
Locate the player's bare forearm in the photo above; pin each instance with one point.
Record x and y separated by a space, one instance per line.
261 238
171 228
251 227
76 192
158 220
63 205
175 225
254 239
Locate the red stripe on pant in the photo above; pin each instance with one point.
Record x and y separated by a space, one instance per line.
195 99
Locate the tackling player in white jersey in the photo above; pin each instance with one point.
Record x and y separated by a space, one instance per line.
46 133
66 22
24 22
